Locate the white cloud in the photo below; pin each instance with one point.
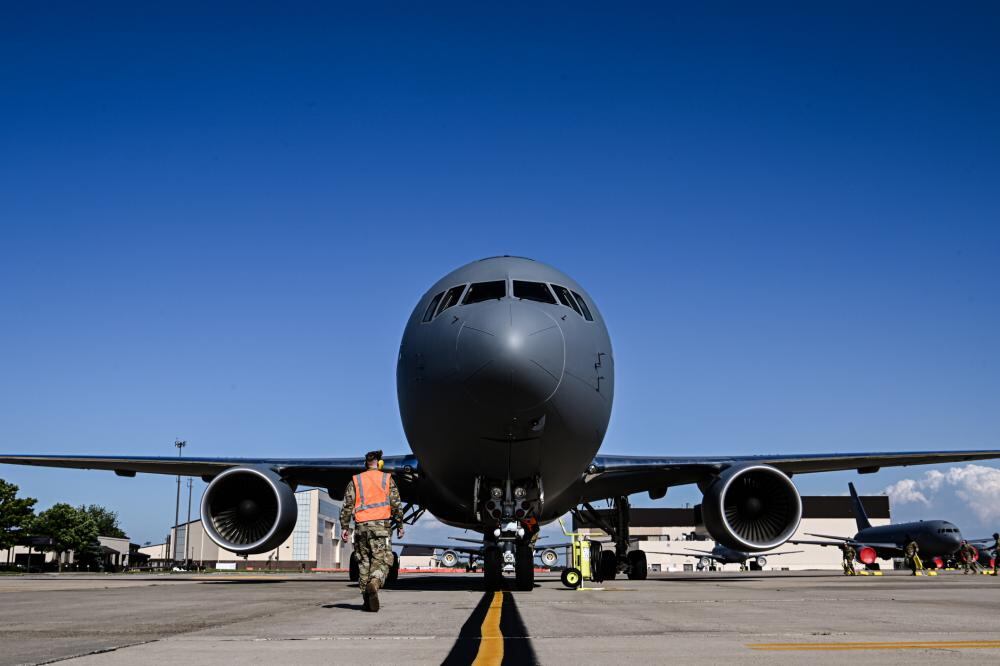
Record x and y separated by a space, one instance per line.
977 486
905 491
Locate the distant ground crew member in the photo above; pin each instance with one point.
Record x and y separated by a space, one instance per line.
849 555
372 499
996 552
912 552
964 556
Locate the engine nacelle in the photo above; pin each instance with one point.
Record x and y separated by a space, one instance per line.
449 558
751 508
549 557
248 510
761 561
867 555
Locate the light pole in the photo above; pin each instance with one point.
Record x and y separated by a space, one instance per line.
187 528
177 505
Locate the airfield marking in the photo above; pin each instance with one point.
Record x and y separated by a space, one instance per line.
888 645
491 641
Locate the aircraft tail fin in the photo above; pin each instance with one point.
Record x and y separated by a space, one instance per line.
859 511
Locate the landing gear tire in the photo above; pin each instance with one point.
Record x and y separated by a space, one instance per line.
609 565
493 569
524 568
353 569
596 572
637 565
571 578
393 571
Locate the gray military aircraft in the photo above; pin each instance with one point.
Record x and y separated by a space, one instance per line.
937 539
725 555
505 380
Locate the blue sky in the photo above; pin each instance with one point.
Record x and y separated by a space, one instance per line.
214 223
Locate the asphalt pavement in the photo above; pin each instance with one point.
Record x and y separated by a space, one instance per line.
754 617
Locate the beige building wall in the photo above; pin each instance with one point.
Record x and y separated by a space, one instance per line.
657 541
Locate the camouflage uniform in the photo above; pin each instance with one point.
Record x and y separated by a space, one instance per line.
913 556
372 542
968 558
849 555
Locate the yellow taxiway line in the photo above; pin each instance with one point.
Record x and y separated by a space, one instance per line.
491 644
890 645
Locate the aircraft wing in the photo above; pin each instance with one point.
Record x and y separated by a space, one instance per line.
696 554
332 474
784 552
610 476
695 550
851 542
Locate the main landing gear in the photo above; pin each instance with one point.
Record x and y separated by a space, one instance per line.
616 524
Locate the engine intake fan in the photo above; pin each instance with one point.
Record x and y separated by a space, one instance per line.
248 510
751 508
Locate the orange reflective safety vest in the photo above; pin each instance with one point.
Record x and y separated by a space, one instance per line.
371 496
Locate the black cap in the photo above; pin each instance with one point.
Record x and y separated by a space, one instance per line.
372 456
996 536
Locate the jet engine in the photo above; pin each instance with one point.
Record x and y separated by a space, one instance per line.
867 555
751 507
704 562
248 510
549 557
449 558
761 561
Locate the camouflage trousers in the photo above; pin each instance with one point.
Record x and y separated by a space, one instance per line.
374 551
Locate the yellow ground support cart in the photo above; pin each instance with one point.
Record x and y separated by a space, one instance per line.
583 552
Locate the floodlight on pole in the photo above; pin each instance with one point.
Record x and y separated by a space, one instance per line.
180 444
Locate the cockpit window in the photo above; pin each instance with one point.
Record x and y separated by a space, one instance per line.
485 291
583 306
566 298
432 307
451 298
533 291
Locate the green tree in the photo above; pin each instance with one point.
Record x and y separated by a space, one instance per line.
105 519
68 527
15 514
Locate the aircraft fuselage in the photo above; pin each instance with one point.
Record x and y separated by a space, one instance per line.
935 538
505 380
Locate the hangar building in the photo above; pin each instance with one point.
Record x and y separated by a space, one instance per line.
675 530
313 544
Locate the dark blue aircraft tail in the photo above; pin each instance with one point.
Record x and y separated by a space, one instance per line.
859 511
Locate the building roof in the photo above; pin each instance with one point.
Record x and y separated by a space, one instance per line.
813 506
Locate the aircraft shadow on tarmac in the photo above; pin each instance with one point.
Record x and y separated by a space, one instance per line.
440 583
241 582
716 579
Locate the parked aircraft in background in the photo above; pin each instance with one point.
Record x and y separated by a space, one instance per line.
722 555
505 380
937 539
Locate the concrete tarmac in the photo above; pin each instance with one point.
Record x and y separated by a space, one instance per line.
754 617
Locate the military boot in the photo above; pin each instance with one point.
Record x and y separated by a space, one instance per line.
371 594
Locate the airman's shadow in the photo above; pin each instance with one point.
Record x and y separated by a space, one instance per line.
345 606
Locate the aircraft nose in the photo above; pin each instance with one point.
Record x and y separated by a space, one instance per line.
510 354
